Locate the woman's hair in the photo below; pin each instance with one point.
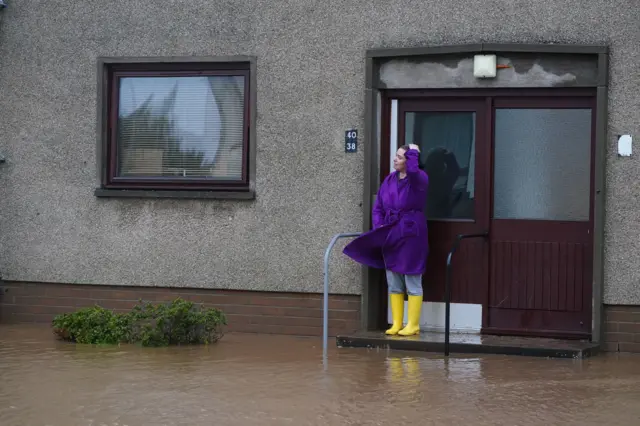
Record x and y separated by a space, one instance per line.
406 148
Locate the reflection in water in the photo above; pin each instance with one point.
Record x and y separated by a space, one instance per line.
405 378
279 380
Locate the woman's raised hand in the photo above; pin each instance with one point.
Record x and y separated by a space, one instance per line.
414 146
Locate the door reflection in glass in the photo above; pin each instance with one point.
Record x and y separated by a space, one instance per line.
447 143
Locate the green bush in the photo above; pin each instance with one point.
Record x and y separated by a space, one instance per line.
175 323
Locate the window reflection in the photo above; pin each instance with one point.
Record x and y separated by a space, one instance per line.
447 143
181 127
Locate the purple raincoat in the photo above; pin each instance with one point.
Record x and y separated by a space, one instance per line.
398 241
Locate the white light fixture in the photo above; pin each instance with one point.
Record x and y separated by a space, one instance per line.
625 145
484 66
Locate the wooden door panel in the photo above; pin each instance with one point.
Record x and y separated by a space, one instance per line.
468 282
540 265
538 275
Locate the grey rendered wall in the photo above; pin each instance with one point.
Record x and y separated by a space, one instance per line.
311 71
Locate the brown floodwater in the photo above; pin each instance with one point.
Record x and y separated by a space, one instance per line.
278 380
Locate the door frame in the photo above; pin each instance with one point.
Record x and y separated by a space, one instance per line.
493 98
371 316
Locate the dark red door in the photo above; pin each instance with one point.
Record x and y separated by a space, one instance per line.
453 137
518 165
542 217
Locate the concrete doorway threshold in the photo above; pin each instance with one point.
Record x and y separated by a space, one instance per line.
472 344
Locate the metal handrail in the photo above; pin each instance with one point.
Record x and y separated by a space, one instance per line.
325 314
447 288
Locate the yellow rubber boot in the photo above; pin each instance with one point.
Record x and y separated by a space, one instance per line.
397 312
413 323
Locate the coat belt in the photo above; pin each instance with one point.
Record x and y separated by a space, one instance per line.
395 215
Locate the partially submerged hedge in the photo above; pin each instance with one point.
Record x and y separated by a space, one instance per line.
175 323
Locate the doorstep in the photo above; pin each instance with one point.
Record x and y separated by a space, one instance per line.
472 344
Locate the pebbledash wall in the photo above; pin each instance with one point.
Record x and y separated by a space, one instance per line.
260 259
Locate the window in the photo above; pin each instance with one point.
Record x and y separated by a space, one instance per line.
178 126
448 142
542 163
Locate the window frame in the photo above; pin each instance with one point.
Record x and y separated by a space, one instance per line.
111 70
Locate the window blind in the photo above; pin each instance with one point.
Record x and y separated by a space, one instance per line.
181 127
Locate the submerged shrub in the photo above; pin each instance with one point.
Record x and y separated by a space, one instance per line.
180 322
175 323
92 325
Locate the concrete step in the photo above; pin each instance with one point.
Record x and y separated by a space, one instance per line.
472 344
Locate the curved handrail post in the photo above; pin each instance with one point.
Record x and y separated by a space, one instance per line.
447 288
325 313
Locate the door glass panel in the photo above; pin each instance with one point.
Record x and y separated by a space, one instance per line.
542 164
447 143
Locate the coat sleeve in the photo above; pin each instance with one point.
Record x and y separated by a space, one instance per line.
377 214
417 178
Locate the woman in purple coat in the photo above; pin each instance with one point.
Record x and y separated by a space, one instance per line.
398 241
